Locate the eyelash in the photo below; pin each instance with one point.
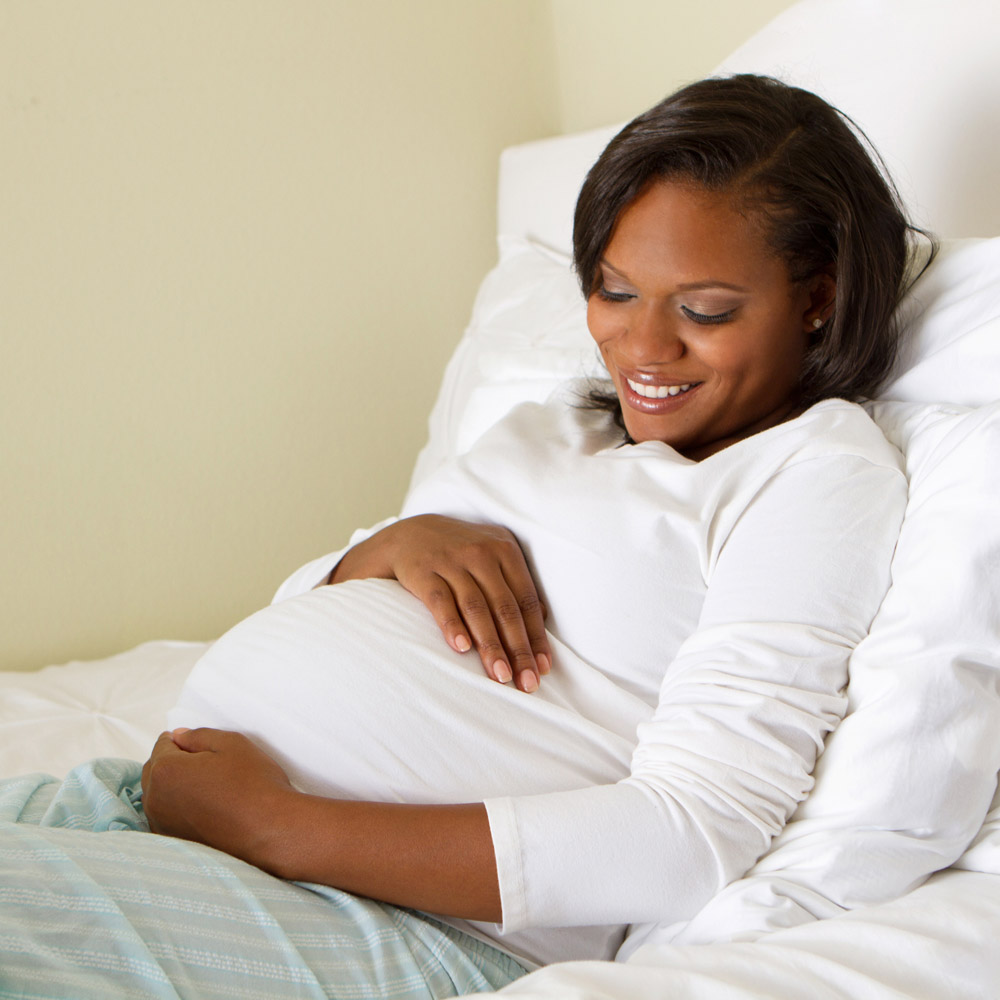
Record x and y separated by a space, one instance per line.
702 319
613 296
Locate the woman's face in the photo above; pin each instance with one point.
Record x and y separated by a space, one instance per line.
698 321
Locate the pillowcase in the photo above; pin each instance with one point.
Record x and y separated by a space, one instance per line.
539 184
936 127
528 333
951 320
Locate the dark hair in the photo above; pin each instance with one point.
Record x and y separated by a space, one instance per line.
809 175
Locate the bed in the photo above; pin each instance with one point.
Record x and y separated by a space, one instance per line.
886 883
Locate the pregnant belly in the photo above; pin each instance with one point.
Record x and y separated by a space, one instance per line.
355 693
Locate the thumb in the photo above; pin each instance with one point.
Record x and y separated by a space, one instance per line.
195 740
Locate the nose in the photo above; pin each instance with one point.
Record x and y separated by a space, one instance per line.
653 337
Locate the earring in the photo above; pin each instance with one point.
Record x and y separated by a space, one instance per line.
817 323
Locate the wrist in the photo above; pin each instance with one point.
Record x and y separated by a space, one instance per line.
369 559
274 843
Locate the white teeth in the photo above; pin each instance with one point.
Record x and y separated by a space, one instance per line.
657 391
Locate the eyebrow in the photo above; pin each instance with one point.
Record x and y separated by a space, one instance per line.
697 285
692 286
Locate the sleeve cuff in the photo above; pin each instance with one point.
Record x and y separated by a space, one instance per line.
310 576
507 850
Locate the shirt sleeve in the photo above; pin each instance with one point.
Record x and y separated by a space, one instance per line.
313 573
742 714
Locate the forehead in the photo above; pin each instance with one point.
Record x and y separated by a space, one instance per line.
692 234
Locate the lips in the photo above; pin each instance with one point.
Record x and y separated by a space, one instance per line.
656 397
658 391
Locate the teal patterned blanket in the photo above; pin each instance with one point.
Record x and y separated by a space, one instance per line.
92 905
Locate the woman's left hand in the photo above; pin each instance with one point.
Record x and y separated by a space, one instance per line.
217 788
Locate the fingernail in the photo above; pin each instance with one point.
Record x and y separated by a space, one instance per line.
180 730
544 663
502 672
529 682
462 643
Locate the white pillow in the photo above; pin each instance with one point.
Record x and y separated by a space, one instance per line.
539 183
951 318
528 333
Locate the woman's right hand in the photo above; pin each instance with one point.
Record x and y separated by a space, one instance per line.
474 580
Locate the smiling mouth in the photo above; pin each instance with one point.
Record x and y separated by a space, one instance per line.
659 391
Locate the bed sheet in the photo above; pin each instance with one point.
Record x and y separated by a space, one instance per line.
55 718
936 943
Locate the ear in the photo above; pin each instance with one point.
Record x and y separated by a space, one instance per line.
822 297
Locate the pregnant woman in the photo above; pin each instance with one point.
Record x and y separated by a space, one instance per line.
648 591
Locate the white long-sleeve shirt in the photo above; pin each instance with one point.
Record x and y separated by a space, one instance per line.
701 614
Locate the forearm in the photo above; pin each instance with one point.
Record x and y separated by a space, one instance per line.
217 788
434 858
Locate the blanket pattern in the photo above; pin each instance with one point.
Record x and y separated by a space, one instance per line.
92 905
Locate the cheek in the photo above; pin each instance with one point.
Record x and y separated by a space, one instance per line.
604 322
760 355
594 319
729 356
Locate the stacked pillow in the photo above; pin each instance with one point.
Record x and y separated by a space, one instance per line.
528 333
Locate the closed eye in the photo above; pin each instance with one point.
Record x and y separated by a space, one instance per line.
708 319
610 296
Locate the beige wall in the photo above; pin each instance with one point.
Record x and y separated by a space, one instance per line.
616 59
239 240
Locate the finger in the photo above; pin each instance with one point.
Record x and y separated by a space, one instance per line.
514 635
532 613
476 610
440 601
501 621
163 745
163 749
198 740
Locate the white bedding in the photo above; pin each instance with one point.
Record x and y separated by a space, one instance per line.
55 718
936 943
